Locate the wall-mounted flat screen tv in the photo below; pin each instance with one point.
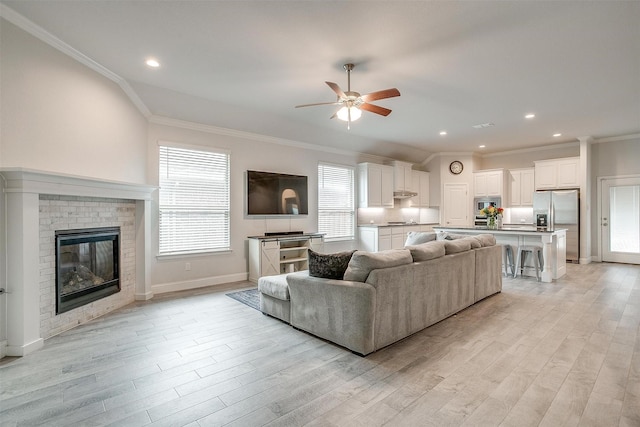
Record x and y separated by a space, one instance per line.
270 193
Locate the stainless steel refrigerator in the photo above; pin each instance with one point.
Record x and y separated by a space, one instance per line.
556 209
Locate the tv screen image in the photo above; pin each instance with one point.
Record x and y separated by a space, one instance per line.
270 193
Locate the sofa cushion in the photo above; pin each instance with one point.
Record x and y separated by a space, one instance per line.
362 263
486 239
454 236
427 251
418 237
456 246
275 286
475 243
329 266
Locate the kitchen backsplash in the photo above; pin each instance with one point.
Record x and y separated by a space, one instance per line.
398 214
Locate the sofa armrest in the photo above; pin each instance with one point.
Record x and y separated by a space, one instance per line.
341 311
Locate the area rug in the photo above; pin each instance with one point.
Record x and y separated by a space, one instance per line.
248 297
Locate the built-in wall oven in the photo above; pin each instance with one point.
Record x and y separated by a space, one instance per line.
481 203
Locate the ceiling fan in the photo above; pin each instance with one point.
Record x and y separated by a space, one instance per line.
353 103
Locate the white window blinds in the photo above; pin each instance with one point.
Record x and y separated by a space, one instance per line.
194 200
336 201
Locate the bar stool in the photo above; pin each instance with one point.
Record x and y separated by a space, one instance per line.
538 261
507 260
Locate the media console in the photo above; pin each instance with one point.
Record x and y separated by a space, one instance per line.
281 253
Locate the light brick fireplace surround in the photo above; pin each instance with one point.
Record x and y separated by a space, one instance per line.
38 203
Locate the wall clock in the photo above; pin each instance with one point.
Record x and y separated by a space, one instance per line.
456 167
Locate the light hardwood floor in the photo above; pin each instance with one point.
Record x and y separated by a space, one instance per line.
550 354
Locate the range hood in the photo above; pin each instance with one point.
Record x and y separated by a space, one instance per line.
404 194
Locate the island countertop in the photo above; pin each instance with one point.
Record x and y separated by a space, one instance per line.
528 230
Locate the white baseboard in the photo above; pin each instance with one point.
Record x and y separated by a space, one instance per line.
23 350
585 260
198 283
3 348
143 297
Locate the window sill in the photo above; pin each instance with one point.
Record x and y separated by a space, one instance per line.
338 239
178 255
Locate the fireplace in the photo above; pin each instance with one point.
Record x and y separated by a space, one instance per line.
87 266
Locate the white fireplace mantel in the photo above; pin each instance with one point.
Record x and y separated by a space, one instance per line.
40 182
22 190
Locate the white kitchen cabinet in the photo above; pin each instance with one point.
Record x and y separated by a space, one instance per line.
557 173
375 185
421 181
397 237
376 239
270 255
489 183
522 186
403 177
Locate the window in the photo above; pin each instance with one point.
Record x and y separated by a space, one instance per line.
336 202
194 200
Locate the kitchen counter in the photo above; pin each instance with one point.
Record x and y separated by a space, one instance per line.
505 229
553 243
398 224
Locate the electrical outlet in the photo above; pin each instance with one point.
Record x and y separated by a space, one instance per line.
187 266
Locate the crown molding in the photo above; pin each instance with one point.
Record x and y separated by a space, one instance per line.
446 153
48 38
617 138
183 124
531 150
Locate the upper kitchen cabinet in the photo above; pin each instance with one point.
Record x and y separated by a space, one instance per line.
557 173
522 186
488 183
375 186
421 181
403 177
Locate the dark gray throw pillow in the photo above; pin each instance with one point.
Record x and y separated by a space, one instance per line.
329 266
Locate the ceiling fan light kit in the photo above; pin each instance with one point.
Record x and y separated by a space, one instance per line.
352 103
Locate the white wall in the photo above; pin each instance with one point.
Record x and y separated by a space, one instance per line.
525 158
60 116
246 153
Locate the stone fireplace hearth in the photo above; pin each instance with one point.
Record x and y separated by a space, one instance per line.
37 205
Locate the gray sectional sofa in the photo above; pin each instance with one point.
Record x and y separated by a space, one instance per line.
391 294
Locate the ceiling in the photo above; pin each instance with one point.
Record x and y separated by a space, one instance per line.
244 65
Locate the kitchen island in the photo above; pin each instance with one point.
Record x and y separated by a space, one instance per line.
388 235
553 243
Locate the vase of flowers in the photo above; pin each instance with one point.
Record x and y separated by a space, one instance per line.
492 213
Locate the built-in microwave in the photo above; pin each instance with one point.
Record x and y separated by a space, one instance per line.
484 202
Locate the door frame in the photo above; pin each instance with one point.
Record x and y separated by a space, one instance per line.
601 180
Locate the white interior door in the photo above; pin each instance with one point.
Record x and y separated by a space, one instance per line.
620 220
456 205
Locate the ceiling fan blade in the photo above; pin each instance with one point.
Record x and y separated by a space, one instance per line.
318 103
381 94
375 109
336 89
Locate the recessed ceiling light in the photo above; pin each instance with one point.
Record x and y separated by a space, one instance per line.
153 63
481 146
443 132
529 116
555 135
